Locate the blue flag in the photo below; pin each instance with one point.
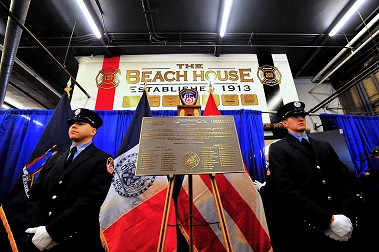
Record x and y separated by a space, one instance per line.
54 139
131 137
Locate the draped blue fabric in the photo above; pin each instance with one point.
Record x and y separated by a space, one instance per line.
361 134
19 134
21 129
249 127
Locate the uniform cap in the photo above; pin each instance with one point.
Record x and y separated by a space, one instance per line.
86 115
291 109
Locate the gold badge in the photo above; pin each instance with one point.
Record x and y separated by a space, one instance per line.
269 75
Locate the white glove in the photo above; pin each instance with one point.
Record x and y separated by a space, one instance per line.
258 185
52 244
334 236
41 238
342 226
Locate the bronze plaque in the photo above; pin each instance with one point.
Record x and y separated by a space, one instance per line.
154 100
130 101
170 100
249 99
230 100
188 145
205 97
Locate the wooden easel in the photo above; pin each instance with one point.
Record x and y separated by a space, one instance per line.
184 111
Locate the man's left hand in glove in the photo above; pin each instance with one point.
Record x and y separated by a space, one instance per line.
41 239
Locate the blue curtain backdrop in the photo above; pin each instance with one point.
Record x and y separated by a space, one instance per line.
361 134
21 129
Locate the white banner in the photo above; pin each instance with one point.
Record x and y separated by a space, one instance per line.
235 78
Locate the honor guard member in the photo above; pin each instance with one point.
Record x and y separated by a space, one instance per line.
311 189
370 189
64 202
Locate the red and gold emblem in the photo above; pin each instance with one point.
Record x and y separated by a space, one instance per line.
108 78
188 96
110 165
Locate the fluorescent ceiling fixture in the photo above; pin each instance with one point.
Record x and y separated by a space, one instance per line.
225 17
89 18
346 17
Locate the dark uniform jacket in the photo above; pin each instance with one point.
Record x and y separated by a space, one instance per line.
309 184
67 200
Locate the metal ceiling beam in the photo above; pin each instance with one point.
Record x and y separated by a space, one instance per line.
366 72
347 47
9 105
27 95
345 60
324 38
20 25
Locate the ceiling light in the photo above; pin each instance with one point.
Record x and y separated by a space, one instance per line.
89 18
225 17
346 17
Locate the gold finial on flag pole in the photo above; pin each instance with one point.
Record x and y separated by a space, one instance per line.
68 89
145 87
210 87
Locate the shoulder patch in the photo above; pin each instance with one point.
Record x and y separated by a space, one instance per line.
110 165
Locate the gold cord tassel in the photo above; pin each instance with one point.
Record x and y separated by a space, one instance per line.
12 242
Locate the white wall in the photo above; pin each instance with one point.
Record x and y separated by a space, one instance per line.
319 94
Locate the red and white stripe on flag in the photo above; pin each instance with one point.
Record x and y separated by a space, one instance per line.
243 207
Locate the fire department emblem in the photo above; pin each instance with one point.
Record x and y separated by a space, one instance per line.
125 182
110 165
108 78
269 75
188 96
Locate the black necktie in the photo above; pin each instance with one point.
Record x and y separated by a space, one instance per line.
71 156
305 142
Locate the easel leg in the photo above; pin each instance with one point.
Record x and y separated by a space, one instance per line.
221 215
166 213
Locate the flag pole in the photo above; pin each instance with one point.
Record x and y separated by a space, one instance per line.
12 241
166 212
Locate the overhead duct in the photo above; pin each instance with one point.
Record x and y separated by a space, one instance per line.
18 8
